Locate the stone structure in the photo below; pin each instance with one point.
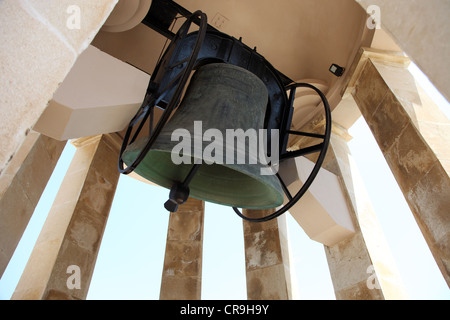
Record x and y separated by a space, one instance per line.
414 136
74 227
267 278
350 259
39 48
182 273
43 39
22 184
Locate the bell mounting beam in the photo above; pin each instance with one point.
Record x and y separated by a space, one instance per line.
162 15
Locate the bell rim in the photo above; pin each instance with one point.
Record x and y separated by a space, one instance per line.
274 189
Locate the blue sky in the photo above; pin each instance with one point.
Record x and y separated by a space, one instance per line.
129 265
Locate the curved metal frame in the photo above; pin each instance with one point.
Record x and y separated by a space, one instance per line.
155 95
320 147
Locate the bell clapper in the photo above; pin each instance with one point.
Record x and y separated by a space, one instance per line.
179 192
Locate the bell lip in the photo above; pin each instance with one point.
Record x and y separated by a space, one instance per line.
275 187
279 192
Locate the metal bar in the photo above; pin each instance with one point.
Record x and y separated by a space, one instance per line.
161 15
169 86
191 174
165 32
302 152
144 119
285 189
286 126
152 116
178 63
306 134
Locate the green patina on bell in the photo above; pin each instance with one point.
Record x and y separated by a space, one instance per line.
222 97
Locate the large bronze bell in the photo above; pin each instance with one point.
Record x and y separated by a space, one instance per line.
219 97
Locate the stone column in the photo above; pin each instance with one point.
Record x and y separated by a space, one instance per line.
266 261
21 186
41 41
414 137
63 259
182 273
421 29
361 267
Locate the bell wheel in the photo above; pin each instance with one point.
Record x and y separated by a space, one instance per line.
165 89
320 148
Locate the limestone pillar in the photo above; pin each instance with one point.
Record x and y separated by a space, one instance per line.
266 258
40 42
421 29
414 137
182 272
21 186
63 259
361 266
